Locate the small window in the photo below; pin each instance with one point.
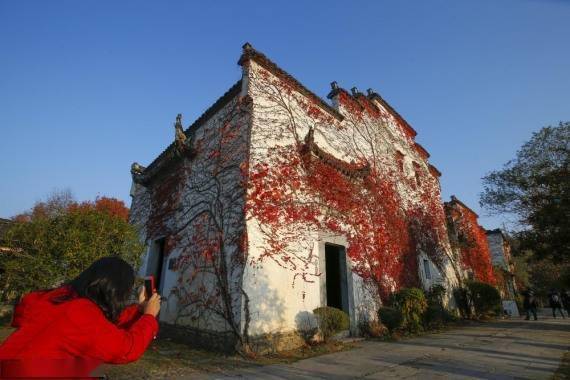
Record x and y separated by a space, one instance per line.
417 174
400 160
426 269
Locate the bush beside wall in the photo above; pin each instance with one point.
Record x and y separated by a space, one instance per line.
331 321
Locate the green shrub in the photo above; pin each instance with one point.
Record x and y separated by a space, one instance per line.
60 238
463 301
486 299
373 329
412 303
436 316
390 317
331 321
435 295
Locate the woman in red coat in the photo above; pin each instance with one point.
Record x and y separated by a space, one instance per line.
71 330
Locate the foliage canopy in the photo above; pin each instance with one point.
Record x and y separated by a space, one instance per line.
59 238
535 186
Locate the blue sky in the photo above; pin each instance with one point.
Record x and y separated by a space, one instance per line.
88 87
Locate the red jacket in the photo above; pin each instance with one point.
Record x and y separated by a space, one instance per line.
71 338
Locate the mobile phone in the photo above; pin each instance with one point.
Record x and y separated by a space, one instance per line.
149 287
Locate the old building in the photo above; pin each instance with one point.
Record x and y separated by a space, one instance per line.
275 202
501 257
469 241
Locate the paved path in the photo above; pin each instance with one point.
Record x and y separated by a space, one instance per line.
510 349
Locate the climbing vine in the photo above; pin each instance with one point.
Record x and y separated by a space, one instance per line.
471 242
298 188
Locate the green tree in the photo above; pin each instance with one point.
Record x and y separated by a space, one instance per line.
535 187
59 238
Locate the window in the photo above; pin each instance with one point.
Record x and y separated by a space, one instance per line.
417 174
426 269
400 160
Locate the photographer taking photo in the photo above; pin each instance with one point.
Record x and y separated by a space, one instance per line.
69 331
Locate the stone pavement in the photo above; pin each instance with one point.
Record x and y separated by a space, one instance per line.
506 349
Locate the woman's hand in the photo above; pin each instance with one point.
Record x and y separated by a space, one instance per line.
152 306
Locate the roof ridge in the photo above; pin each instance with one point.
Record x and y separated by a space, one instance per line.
249 53
454 199
210 111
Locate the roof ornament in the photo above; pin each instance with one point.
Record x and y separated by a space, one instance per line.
137 172
371 92
334 85
179 135
354 91
247 46
180 139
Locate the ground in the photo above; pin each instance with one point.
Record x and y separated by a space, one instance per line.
505 349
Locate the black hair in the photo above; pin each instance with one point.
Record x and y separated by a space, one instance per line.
108 282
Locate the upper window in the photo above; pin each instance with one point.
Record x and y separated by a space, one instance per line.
400 160
427 270
417 174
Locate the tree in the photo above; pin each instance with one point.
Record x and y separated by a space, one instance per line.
60 237
535 186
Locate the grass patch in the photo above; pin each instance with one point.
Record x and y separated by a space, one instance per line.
305 352
165 359
4 332
5 319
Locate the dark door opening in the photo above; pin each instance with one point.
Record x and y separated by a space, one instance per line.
337 292
156 263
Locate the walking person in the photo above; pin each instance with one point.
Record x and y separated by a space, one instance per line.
566 300
555 302
529 304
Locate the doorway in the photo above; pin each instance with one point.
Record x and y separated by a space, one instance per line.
336 277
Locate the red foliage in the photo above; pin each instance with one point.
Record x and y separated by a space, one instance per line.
112 206
472 243
64 203
299 193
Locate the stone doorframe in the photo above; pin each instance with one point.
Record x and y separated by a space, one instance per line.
324 239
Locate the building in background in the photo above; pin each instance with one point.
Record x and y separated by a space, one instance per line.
504 268
469 241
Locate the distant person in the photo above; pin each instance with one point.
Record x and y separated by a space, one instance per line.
69 331
566 301
555 302
529 304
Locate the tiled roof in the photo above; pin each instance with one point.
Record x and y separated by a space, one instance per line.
433 170
168 154
454 200
374 95
250 53
349 169
421 150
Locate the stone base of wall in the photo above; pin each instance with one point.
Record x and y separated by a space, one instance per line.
275 342
218 341
225 342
